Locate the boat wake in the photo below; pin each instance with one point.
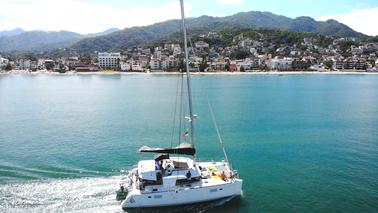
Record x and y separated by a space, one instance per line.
95 194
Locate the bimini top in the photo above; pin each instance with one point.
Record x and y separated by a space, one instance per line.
182 149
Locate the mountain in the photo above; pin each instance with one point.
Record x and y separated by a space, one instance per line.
19 41
135 36
36 41
13 32
127 38
105 32
42 41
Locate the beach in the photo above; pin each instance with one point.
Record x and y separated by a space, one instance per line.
110 72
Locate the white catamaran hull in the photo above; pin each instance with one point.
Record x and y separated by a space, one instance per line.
183 196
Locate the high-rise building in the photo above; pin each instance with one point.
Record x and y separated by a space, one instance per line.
109 59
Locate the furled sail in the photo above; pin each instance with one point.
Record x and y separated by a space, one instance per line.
183 149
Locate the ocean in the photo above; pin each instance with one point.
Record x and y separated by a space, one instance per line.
301 143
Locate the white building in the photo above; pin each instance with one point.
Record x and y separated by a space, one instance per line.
253 51
3 61
41 62
155 64
137 67
125 67
280 63
24 64
146 51
201 44
248 64
177 51
109 59
157 54
356 50
131 67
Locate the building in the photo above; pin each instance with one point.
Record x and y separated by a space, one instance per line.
213 35
26 64
82 67
169 63
360 65
155 64
201 44
126 67
280 63
338 65
356 50
3 61
146 51
217 66
248 64
253 51
70 62
177 51
131 67
49 64
109 60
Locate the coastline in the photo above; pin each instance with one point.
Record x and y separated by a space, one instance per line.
25 72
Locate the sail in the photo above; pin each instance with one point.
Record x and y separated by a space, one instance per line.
182 149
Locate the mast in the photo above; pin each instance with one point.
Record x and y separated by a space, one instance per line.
187 72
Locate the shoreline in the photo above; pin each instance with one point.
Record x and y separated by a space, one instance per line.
25 72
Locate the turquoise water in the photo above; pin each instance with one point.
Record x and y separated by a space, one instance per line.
302 143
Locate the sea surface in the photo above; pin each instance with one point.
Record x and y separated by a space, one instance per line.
302 143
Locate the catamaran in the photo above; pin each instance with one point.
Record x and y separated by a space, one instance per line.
174 176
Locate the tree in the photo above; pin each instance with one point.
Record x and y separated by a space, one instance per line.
203 65
85 59
181 65
8 67
227 67
119 64
239 54
328 63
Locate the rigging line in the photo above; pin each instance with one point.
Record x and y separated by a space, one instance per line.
217 130
181 106
175 111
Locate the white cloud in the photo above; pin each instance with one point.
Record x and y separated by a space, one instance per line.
80 15
230 2
361 20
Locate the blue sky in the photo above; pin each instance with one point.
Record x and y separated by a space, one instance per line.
87 16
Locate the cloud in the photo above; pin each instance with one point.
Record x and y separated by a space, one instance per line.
230 2
81 15
361 20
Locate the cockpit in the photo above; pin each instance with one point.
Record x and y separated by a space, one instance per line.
167 171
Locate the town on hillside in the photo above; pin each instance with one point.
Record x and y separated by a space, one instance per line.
243 51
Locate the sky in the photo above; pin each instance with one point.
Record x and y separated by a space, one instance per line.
91 16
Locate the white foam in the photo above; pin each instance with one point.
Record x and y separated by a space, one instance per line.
63 195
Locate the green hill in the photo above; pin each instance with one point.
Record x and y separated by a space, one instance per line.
137 36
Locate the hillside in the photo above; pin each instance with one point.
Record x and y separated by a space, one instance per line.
34 41
13 32
19 41
135 36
